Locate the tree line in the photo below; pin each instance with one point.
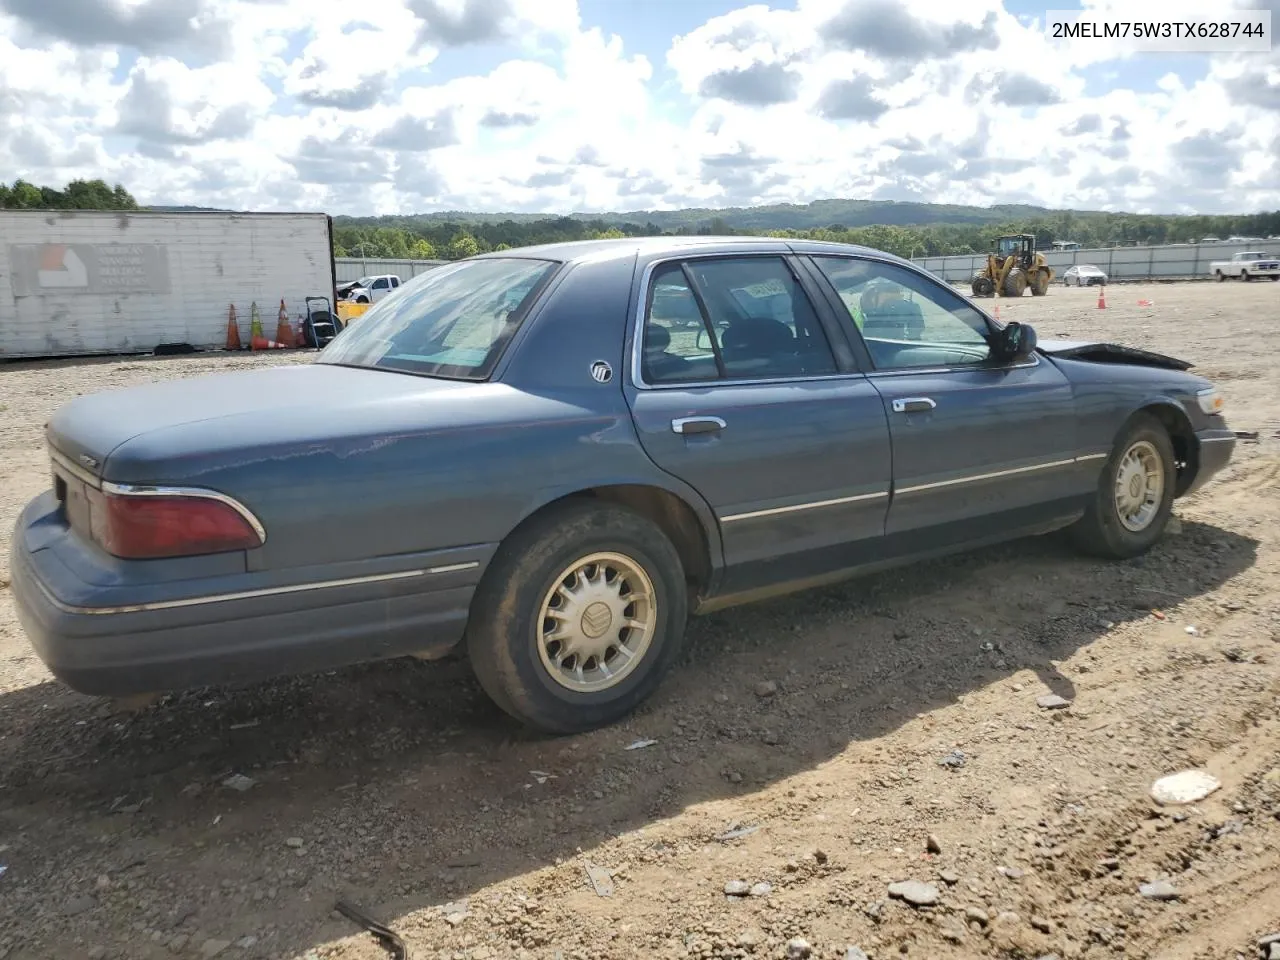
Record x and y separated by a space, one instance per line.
77 195
940 230
431 238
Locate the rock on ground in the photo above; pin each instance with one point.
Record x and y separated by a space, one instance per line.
1189 786
915 893
1159 890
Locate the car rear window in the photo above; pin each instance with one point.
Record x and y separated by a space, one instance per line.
452 321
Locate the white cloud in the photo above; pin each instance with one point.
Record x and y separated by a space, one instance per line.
322 104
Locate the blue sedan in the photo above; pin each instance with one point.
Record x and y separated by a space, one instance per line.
550 457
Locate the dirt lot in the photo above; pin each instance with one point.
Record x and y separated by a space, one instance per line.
399 787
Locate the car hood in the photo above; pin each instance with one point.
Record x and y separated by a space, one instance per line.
1100 351
167 430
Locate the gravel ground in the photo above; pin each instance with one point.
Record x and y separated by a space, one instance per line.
815 751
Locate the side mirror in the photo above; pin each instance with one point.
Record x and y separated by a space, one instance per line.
1016 341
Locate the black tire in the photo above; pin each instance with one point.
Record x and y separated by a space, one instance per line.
1220 275
1015 283
1099 532
1244 275
362 299
981 284
503 635
1276 277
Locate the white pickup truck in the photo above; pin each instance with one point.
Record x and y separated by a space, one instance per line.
1246 265
370 289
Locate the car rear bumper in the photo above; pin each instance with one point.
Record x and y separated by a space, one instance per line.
1215 450
102 640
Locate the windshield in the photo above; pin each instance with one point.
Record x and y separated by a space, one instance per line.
452 321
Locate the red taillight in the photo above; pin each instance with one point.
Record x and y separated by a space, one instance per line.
150 527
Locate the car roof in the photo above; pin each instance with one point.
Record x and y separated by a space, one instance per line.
625 247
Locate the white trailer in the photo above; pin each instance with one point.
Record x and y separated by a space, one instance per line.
90 282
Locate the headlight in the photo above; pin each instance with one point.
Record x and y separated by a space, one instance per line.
1211 401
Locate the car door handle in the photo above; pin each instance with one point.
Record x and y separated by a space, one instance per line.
688 425
913 405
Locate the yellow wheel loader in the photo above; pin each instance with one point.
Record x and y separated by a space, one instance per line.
1012 268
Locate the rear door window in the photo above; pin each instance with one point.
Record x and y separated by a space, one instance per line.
731 318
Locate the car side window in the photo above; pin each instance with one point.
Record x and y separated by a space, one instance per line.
380 283
676 345
731 318
905 320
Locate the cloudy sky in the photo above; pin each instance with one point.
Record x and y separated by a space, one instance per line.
402 106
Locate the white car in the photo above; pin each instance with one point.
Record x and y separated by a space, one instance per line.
373 289
1083 275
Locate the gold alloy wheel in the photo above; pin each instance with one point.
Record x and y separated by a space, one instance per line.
1139 486
597 622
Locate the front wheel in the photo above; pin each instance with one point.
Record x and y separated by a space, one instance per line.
1015 283
1134 498
579 616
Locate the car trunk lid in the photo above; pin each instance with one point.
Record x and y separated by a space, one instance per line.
83 433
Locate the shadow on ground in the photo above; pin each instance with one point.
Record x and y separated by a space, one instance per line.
407 788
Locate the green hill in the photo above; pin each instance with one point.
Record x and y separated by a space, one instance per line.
907 229
779 216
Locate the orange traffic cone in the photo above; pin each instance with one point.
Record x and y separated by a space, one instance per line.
284 329
1102 297
997 312
233 330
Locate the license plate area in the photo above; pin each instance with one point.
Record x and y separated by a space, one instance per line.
73 494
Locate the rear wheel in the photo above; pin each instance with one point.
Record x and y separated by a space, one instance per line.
1040 283
1220 275
1134 497
579 617
981 285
